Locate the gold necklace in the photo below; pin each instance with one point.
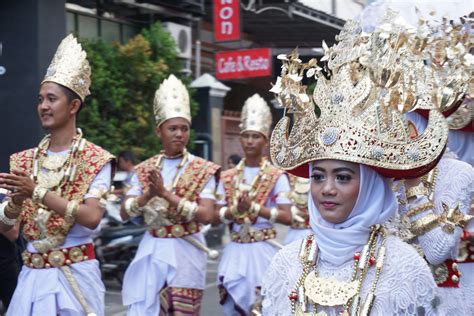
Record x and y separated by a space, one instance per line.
54 174
313 291
160 162
52 171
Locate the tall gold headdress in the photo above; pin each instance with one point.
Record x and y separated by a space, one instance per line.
171 101
452 71
70 67
256 116
369 80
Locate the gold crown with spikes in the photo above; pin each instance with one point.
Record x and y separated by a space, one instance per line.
256 116
70 67
171 101
368 82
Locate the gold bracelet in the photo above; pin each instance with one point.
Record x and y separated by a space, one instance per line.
181 205
222 217
71 210
13 209
7 220
38 194
425 224
190 210
420 208
273 215
416 190
131 206
255 209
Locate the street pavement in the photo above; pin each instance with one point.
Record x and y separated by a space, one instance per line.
210 305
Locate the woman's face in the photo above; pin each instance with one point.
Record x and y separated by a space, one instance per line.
335 188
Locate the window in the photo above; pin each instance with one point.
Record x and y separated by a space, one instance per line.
88 27
109 31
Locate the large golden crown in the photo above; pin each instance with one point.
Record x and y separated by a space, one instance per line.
171 101
256 116
70 67
368 82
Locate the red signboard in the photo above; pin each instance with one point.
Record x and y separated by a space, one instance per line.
244 63
226 20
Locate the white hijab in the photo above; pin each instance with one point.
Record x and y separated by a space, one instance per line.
376 203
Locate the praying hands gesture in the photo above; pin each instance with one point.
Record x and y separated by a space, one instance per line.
157 187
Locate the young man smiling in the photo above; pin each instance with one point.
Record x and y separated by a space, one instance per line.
56 190
253 196
174 191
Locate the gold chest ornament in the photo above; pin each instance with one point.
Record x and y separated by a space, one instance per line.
313 291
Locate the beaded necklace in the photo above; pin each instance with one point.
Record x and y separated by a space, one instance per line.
312 291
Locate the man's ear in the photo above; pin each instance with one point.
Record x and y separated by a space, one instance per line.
158 132
75 106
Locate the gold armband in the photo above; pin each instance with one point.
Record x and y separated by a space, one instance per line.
71 210
419 209
425 224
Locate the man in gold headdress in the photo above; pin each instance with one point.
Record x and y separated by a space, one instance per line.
174 191
56 191
253 197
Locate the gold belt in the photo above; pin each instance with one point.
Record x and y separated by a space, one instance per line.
255 236
176 230
58 257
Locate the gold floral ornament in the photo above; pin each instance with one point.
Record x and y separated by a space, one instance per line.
70 67
256 116
367 83
450 62
452 217
171 101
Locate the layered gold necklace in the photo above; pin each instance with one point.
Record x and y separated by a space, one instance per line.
242 187
55 173
313 291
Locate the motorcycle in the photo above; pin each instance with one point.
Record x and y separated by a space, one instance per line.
117 242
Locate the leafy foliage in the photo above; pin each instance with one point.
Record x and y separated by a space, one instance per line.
119 113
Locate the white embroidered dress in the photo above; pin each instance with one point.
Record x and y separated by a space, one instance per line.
454 185
405 287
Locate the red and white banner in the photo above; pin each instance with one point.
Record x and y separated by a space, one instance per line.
244 63
226 20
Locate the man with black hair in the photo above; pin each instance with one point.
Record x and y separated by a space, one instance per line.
55 193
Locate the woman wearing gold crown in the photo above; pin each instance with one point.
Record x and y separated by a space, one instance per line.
254 195
57 190
350 265
174 191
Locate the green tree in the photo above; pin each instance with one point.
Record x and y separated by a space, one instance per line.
119 113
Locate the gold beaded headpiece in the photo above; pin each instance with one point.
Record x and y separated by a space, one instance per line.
70 67
369 80
171 101
256 116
